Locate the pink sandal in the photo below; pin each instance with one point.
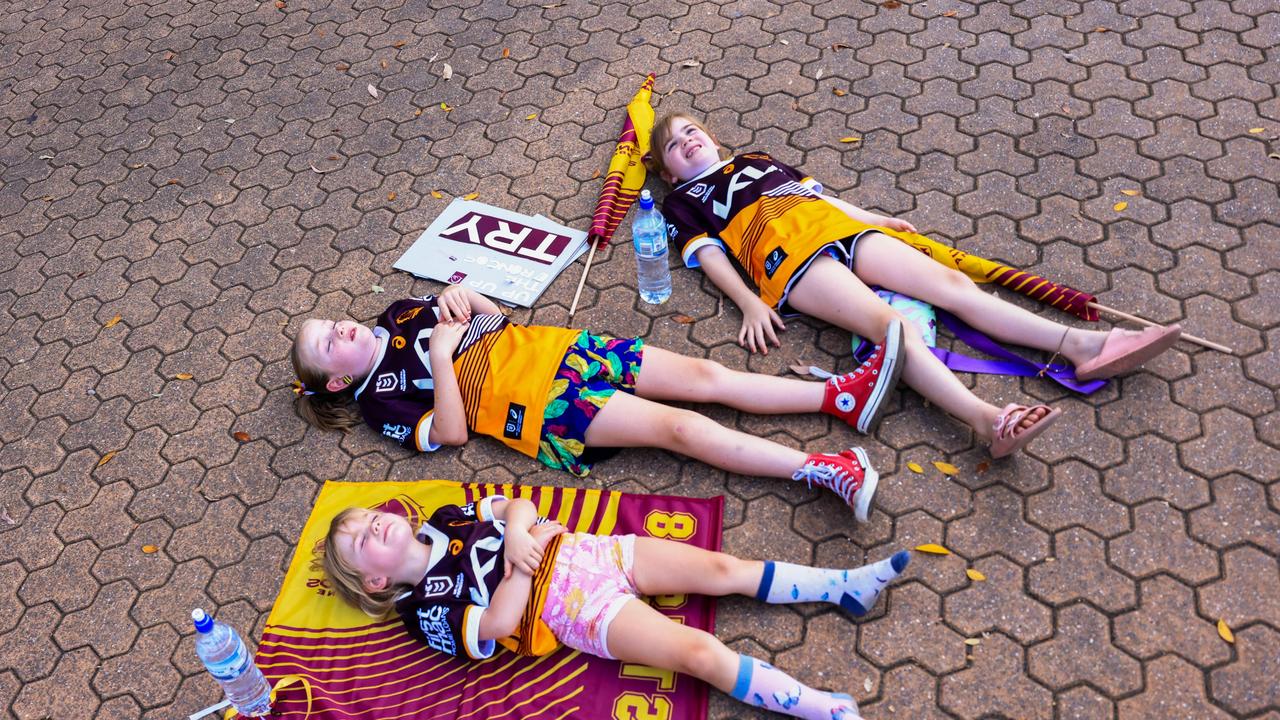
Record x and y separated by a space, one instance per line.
1010 437
1123 351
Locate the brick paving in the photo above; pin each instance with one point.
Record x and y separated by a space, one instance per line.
213 173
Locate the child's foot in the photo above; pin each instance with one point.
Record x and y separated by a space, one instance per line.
1124 350
1017 425
854 590
858 397
848 474
864 585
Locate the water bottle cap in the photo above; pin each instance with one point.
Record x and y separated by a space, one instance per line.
202 621
646 200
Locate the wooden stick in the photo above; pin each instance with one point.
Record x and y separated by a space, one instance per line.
573 307
1148 323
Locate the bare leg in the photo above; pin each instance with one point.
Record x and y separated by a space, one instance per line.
828 291
882 260
640 634
665 375
664 567
630 421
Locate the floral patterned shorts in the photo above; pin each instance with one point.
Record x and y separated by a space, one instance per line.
594 368
593 578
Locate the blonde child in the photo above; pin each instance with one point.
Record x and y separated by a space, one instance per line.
816 255
432 369
521 582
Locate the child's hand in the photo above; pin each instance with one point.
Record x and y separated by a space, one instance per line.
543 532
446 336
455 304
758 321
898 224
521 551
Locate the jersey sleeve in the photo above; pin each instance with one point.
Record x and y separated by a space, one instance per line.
685 228
806 180
405 419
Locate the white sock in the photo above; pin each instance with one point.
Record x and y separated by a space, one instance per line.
765 686
855 590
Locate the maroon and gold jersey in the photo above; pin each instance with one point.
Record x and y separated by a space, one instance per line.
764 213
504 372
466 565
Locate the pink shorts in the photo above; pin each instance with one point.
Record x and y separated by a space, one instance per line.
592 580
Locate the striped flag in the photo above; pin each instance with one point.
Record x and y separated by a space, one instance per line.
626 171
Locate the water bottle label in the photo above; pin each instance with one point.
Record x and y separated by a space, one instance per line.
233 666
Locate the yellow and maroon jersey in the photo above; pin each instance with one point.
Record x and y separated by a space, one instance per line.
504 372
762 212
465 567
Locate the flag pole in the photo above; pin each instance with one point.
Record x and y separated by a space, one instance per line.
573 307
1143 321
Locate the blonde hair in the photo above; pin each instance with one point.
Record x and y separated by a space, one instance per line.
322 408
662 134
344 579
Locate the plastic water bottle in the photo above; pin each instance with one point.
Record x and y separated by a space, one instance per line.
225 656
649 233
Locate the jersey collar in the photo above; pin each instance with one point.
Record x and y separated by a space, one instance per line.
380 334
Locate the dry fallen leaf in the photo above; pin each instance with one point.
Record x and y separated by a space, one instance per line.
975 575
1255 131
417 113
400 44
183 376
445 107
530 116
851 139
891 4
506 52
446 72
595 175
950 13
436 194
915 467
971 642
471 196
1120 206
932 549
982 467
148 549
373 91
838 92
1101 29
241 435
1224 632
835 47
342 66
106 458
683 319
382 64
946 468
391 196
1130 193
112 322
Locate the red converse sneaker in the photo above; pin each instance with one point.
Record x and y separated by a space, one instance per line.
849 474
858 397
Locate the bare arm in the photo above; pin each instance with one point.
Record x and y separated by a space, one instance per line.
758 319
508 602
502 617
457 303
868 217
449 424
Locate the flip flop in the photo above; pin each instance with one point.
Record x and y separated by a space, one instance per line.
1123 351
1010 437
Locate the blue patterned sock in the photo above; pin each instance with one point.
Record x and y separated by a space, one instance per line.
765 686
854 590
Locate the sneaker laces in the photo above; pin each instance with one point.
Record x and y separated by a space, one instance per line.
830 477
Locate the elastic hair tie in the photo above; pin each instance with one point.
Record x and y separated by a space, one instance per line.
300 389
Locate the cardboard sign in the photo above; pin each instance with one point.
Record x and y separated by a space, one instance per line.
508 256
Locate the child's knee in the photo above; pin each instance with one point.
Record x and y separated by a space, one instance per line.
706 376
700 654
681 428
956 283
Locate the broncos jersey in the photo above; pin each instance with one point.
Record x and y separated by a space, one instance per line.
504 372
466 565
764 213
